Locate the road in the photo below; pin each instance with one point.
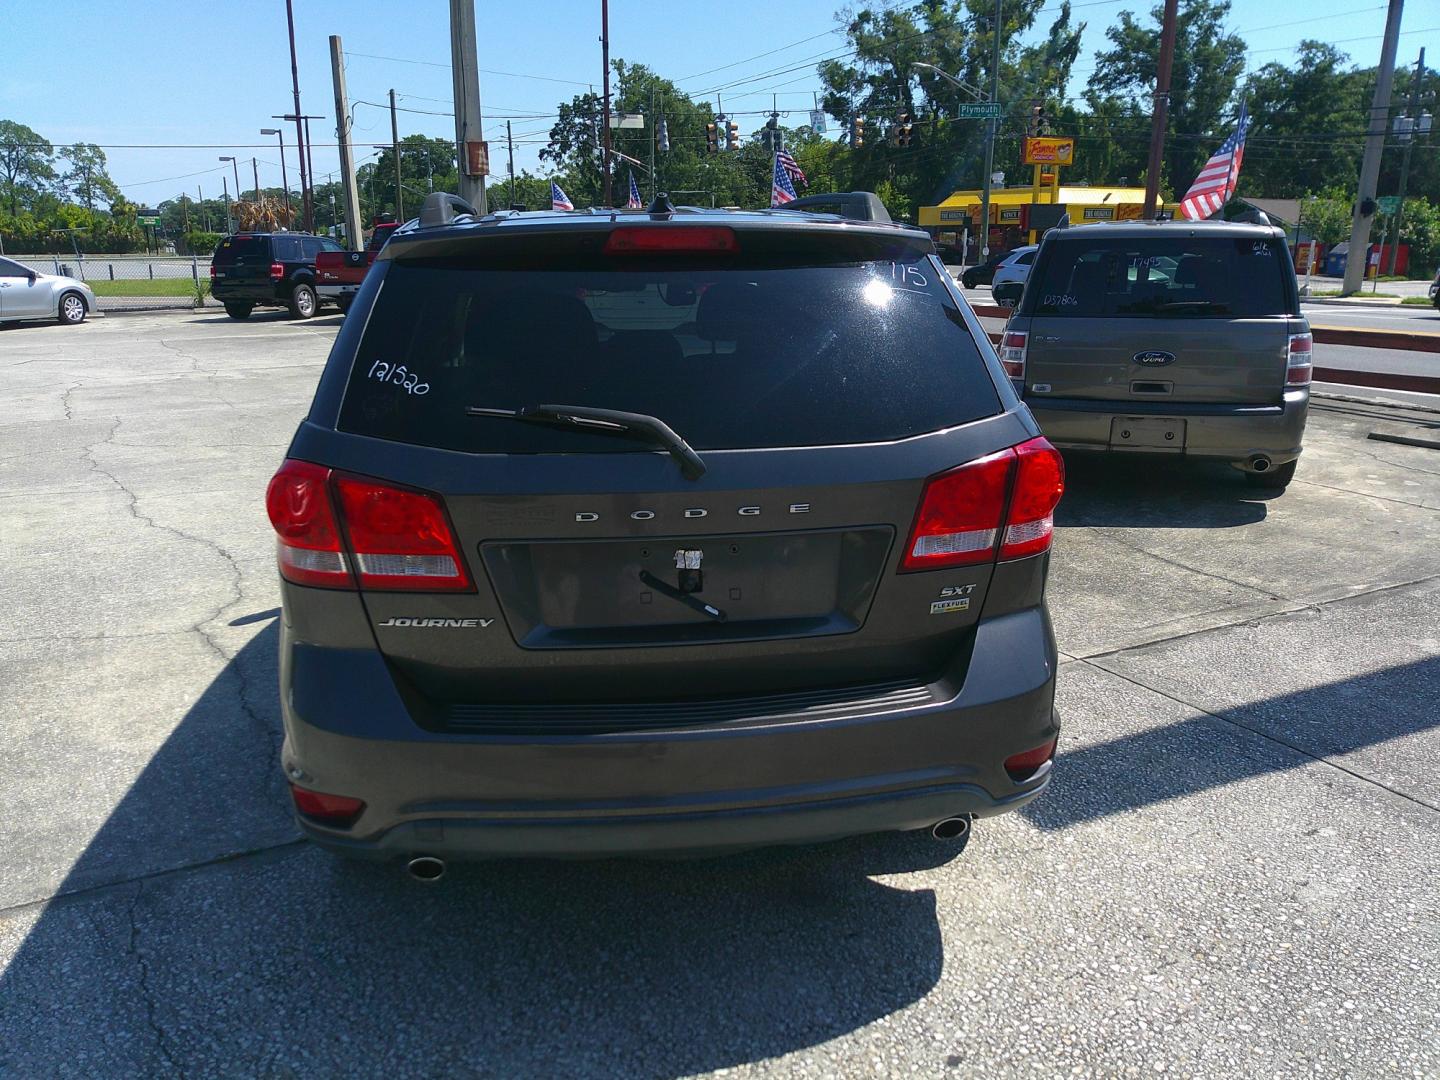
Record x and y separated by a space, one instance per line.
1233 874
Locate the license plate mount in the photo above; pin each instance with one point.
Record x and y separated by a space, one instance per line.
1148 433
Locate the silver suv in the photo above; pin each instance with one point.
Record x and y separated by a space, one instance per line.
1180 338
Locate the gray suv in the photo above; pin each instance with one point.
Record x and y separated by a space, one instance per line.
1180 338
657 531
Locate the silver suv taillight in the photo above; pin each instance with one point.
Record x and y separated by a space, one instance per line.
1297 361
1012 352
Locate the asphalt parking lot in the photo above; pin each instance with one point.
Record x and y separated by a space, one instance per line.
1234 873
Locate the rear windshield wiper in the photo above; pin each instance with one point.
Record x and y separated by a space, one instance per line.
606 422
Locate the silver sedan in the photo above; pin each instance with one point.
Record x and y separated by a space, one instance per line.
29 294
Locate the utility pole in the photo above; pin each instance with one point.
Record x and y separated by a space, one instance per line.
994 123
395 149
310 164
1411 133
229 217
510 142
306 199
255 171
467 98
1374 148
347 154
654 135
1159 110
284 176
204 210
605 117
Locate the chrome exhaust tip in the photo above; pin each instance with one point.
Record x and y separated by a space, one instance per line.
1259 463
426 868
950 828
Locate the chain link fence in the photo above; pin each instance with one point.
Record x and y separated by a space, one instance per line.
133 282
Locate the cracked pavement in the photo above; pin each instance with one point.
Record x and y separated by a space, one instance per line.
1233 874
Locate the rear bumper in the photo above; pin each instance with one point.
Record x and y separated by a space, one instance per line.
268 292
701 789
332 291
1234 433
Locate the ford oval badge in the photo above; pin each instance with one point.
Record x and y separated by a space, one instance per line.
1154 358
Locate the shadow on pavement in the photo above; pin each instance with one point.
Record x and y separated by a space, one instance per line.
1202 753
293 960
1156 493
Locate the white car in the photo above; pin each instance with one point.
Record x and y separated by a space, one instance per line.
28 294
1016 266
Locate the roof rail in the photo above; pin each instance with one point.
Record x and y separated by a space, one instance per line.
441 208
1064 222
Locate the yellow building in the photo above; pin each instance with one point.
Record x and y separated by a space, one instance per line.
1010 213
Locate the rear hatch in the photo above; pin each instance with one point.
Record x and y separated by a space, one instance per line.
820 374
244 258
1171 316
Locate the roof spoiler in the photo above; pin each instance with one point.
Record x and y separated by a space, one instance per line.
441 208
1253 215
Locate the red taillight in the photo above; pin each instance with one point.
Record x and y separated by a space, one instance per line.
693 239
401 538
277 271
212 269
1012 353
1039 483
959 520
959 517
1297 361
337 810
310 552
1023 766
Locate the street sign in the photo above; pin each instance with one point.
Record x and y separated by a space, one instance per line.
149 221
1389 204
980 110
627 120
817 121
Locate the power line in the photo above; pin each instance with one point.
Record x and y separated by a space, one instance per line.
782 48
487 71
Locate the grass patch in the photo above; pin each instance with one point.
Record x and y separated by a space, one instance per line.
1358 295
146 287
1416 301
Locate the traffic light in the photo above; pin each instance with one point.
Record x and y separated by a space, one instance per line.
1035 125
712 139
664 137
857 133
732 136
903 130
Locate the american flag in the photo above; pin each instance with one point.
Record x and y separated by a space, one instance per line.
558 199
792 167
1216 183
634 203
782 190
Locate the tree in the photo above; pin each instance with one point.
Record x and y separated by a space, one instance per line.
574 148
1208 62
86 179
26 168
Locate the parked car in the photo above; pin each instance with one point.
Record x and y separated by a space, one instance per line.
983 273
1181 338
27 294
770 570
268 270
1015 266
339 273
1435 290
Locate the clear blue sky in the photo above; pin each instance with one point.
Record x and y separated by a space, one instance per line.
166 72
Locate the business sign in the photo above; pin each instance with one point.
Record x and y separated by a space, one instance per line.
147 219
1048 150
1389 204
1011 214
477 159
980 110
954 215
1098 213
627 120
817 121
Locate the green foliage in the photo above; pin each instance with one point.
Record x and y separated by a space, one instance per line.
199 242
26 171
1209 60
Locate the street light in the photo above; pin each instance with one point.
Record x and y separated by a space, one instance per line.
284 179
233 165
990 132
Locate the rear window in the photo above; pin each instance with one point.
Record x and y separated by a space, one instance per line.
729 358
1164 275
248 248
